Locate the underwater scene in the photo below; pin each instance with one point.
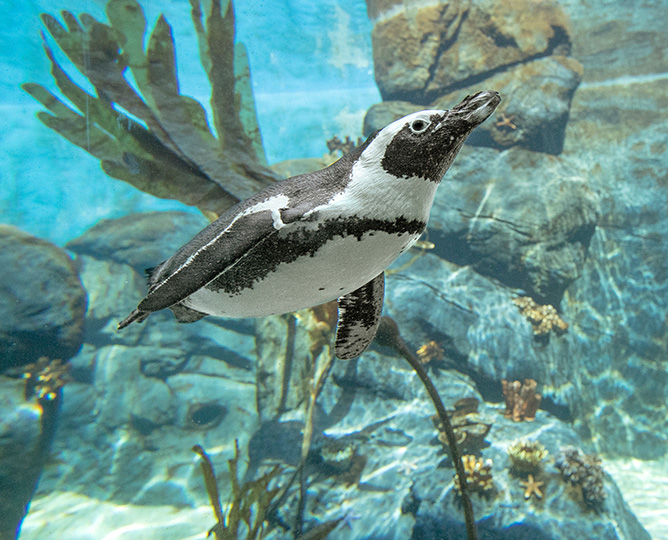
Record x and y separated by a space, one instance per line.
334 269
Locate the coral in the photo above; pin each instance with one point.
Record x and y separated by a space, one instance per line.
532 488
543 318
521 399
526 456
337 145
341 458
469 426
430 352
45 378
583 470
478 474
320 323
171 152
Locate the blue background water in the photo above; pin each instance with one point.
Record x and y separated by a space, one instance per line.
312 75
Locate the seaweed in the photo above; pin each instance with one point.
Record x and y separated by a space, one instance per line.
252 503
149 134
249 502
388 333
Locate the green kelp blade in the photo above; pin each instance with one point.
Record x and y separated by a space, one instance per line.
127 17
76 130
256 500
161 180
184 118
211 487
220 51
95 51
51 102
196 15
73 41
96 111
74 127
244 94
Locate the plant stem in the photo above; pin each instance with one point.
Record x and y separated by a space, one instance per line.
389 332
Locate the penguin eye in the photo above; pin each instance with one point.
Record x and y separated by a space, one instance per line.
419 125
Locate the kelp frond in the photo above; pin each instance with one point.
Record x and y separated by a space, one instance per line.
171 152
251 504
248 504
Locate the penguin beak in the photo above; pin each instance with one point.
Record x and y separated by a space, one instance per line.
480 106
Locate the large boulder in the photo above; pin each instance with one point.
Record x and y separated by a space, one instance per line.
423 49
140 240
521 217
42 301
536 102
429 55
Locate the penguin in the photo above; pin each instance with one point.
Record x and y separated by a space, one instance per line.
321 236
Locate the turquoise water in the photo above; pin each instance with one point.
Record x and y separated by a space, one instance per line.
544 259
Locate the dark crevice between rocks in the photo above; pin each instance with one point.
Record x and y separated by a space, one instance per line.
360 383
442 49
456 248
559 44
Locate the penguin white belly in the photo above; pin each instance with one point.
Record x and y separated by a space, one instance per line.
338 267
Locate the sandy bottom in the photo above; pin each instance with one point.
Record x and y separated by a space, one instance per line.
77 517
644 485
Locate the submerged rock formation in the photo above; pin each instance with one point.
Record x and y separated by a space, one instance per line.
429 54
42 301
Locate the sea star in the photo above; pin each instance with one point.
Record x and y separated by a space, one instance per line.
407 467
532 488
506 122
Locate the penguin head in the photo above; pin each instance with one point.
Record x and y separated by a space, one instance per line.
424 144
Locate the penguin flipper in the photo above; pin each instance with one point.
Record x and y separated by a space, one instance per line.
211 252
185 314
359 316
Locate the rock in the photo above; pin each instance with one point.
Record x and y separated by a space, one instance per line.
139 240
423 51
622 297
42 301
125 395
518 216
559 514
127 437
407 45
535 108
406 487
25 440
604 115
113 290
618 40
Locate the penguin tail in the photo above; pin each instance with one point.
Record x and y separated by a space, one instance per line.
135 316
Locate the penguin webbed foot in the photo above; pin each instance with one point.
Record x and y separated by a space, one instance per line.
136 316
